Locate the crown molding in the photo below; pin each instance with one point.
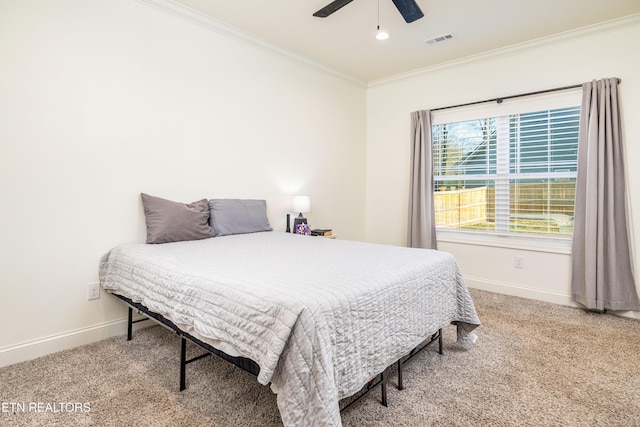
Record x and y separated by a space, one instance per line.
602 27
198 18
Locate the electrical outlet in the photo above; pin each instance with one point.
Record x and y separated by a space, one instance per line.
519 262
93 291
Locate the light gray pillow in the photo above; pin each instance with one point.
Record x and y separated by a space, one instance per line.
169 221
238 216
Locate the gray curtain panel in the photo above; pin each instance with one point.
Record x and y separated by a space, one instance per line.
602 269
421 230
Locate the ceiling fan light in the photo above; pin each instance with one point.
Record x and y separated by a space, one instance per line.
382 34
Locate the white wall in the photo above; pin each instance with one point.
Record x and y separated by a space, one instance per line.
608 50
102 100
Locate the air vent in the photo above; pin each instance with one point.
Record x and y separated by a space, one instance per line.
440 39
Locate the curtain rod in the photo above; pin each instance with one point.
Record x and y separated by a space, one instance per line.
499 100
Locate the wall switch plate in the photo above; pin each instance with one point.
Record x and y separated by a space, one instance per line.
519 262
93 291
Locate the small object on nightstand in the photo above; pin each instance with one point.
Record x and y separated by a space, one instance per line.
321 232
303 229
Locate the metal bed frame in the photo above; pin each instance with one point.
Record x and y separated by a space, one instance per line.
418 349
243 363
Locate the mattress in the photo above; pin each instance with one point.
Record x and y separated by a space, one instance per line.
321 317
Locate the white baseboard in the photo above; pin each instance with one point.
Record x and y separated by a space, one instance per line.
40 347
532 293
519 291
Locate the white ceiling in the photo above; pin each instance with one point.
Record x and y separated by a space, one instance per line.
345 40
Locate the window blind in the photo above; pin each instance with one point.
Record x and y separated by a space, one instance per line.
511 173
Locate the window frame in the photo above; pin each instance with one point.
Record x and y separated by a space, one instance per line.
548 101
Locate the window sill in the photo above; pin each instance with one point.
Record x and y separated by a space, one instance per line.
538 244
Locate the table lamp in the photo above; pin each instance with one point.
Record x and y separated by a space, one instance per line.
300 204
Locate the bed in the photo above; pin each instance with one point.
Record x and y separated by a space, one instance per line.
320 317
318 320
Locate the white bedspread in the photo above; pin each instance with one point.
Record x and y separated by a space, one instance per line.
321 317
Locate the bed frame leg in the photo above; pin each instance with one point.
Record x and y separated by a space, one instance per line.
416 351
183 363
400 383
130 325
383 387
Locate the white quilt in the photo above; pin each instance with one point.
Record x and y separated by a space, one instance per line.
321 317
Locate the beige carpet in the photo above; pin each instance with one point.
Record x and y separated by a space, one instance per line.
535 364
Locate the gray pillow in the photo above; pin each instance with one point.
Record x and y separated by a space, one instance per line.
169 221
236 216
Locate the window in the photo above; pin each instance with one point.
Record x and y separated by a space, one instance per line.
508 169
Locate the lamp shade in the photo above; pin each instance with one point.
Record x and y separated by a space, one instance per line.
301 204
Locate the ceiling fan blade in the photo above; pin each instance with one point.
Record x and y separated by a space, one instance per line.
331 7
409 10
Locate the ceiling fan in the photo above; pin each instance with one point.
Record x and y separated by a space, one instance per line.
408 9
